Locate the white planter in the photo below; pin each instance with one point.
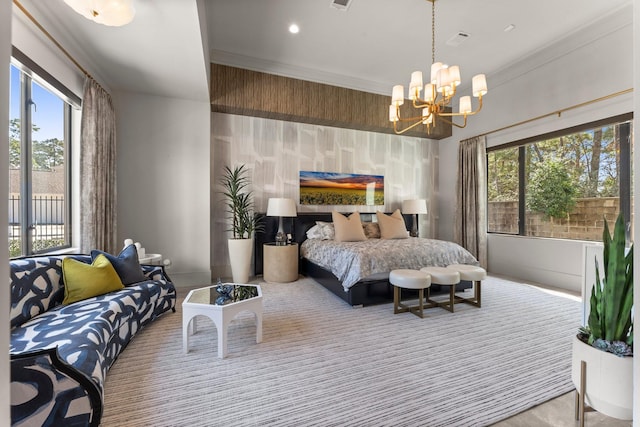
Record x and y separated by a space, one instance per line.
240 252
609 380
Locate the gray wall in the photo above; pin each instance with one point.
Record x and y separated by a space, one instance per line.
276 151
163 180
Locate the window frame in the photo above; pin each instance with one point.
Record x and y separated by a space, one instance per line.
624 172
31 73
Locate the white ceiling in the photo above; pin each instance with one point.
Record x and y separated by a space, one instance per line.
371 46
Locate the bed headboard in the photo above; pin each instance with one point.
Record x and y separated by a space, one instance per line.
298 227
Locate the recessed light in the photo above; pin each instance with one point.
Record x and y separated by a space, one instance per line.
294 29
509 27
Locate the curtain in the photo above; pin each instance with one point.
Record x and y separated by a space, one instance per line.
97 170
470 230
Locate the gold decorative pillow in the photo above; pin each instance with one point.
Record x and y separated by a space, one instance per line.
82 281
371 230
392 226
348 229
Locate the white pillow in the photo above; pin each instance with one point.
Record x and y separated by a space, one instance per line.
392 226
314 232
348 229
327 230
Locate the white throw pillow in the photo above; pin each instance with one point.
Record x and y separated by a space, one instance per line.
314 232
392 226
348 229
327 229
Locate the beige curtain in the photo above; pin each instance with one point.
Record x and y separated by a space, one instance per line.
470 229
97 170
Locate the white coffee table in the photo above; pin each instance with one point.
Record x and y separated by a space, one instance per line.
221 308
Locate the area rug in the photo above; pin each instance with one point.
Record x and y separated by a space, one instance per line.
324 363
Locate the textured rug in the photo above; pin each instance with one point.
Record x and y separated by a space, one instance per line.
324 363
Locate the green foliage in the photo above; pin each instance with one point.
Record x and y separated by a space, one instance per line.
502 183
551 190
612 298
39 245
44 154
239 203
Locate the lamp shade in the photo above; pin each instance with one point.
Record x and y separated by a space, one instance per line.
414 206
113 13
281 207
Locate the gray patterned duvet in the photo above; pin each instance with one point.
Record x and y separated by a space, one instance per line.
352 261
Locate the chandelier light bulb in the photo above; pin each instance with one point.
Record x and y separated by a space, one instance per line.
397 97
479 85
465 105
393 113
435 67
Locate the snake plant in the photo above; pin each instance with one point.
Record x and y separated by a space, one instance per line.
610 325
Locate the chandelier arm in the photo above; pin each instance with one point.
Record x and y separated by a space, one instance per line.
451 122
400 132
470 113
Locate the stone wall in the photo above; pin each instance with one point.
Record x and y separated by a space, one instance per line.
586 222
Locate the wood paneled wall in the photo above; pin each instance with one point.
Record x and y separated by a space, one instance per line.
251 93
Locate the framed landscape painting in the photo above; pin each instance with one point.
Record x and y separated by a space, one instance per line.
334 188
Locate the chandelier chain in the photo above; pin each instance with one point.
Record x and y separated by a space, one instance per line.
433 31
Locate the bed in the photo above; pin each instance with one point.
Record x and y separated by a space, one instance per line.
351 270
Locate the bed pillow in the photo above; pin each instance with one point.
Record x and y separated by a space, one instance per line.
348 229
327 229
314 232
82 280
126 264
371 230
392 226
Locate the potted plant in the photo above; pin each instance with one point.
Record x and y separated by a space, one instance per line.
239 207
605 344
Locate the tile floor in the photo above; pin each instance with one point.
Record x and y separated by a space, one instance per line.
559 412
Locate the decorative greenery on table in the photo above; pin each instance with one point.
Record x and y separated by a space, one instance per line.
610 326
239 203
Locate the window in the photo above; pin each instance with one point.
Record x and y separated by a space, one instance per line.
39 164
562 185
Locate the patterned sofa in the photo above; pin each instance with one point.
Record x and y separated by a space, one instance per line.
60 354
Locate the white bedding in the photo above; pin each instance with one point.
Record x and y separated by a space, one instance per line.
351 262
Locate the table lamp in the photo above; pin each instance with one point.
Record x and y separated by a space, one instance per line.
414 207
281 208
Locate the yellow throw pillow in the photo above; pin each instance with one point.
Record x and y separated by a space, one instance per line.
82 281
392 226
348 229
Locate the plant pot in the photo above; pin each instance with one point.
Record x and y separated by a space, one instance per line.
240 252
609 382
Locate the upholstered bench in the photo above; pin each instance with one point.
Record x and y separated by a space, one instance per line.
444 277
473 274
409 279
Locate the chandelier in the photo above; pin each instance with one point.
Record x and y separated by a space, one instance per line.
113 13
438 93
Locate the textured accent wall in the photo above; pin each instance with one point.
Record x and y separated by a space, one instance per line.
275 151
244 92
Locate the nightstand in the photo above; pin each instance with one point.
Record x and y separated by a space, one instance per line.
280 263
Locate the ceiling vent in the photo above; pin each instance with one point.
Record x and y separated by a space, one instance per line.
458 38
341 4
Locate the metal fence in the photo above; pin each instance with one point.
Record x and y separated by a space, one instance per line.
48 222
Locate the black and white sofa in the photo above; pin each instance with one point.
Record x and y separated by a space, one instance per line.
60 354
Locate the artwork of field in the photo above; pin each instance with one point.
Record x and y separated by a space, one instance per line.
331 188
